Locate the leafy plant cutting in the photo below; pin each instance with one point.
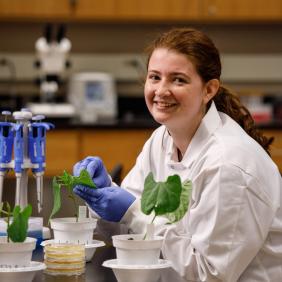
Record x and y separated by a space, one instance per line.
69 182
169 198
17 221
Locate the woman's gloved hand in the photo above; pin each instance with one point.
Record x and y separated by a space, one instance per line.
96 169
110 203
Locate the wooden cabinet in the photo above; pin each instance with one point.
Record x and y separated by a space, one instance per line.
276 147
158 9
145 10
114 146
92 9
238 10
69 10
62 151
87 10
34 9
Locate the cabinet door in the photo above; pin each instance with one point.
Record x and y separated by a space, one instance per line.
158 9
99 10
276 147
34 9
242 9
93 9
114 146
57 9
62 151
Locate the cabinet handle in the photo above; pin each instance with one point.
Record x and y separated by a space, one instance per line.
73 3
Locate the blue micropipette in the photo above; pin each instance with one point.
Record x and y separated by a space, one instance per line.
6 147
37 151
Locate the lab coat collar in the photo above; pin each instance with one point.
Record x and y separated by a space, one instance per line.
208 125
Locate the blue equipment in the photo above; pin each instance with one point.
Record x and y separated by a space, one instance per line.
37 151
6 147
28 139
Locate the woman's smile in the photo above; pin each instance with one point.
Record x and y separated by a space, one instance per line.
163 105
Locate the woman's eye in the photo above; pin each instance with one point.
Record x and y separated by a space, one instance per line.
180 80
154 77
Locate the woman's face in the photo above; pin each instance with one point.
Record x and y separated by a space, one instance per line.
174 91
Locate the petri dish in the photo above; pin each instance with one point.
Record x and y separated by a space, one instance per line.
64 259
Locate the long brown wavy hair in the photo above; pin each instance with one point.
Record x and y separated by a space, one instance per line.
200 49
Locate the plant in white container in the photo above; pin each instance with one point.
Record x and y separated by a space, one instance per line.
71 229
77 229
16 248
169 199
138 255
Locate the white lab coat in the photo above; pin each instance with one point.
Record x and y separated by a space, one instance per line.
233 229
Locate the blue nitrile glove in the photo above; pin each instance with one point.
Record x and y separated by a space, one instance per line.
96 169
110 203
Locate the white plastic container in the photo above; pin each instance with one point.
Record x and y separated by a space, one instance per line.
20 274
67 230
16 254
131 249
137 273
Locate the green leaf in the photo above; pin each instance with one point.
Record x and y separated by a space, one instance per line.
149 195
56 196
66 179
69 182
83 179
162 197
184 203
8 207
7 211
17 231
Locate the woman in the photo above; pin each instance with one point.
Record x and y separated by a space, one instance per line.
233 228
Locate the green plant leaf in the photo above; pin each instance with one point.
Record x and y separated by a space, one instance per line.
83 179
6 210
56 198
8 207
17 231
149 195
184 203
162 197
69 182
66 180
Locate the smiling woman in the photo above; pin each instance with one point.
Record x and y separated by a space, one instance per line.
232 230
175 94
